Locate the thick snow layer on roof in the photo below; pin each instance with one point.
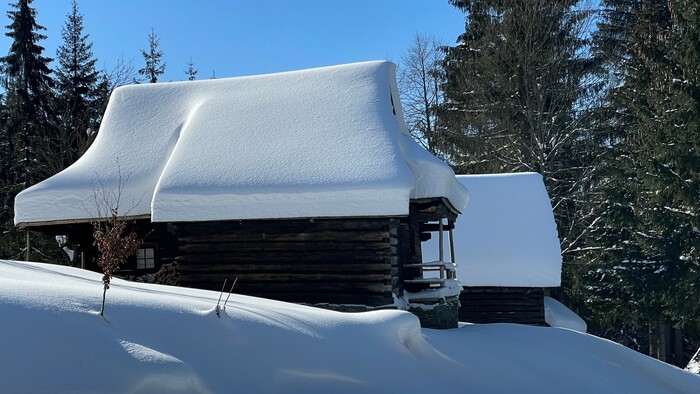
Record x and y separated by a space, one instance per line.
313 143
506 236
162 339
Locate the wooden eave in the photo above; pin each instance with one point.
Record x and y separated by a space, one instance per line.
76 221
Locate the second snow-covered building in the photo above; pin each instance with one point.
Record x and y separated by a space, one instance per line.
305 185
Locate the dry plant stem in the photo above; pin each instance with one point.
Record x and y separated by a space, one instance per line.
229 292
220 295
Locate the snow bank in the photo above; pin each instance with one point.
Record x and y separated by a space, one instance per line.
507 235
160 339
325 142
557 314
694 363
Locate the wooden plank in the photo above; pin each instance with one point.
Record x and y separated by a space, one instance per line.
291 268
284 257
321 300
283 246
257 288
299 236
283 226
78 221
309 277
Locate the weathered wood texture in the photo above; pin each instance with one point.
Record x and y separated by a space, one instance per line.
522 305
322 261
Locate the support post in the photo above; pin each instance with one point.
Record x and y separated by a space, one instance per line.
452 251
28 248
442 257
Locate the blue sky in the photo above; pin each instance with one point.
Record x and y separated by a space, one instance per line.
235 37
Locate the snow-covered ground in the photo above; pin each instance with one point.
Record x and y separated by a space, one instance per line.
168 339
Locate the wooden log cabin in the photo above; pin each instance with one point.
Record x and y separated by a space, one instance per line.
507 249
304 185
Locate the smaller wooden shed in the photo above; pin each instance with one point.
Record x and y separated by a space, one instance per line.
506 248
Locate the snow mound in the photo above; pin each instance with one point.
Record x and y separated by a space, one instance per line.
160 339
557 314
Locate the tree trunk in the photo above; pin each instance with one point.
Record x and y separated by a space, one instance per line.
653 341
664 347
679 359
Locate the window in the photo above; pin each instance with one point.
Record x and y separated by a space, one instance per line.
145 258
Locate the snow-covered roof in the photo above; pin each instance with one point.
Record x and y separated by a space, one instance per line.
325 142
507 235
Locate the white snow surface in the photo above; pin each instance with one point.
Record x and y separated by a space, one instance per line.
160 339
557 314
506 236
325 142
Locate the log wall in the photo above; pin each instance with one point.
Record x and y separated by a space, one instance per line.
523 305
321 261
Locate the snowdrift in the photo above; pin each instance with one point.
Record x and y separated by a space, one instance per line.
159 339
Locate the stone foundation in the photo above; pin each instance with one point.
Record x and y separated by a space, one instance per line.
440 314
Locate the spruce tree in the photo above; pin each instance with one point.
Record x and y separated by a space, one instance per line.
519 91
27 84
645 247
153 58
28 132
80 94
191 72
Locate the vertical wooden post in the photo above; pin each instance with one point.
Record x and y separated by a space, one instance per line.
442 254
28 248
452 253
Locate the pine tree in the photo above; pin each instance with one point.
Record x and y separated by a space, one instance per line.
191 72
80 92
153 68
28 134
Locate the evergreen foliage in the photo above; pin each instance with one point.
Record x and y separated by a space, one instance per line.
519 90
191 72
81 91
27 138
154 66
27 83
645 248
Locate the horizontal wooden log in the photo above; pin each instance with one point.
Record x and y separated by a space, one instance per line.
284 257
496 290
323 236
287 277
316 288
326 300
510 320
283 226
263 246
291 268
496 311
504 302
